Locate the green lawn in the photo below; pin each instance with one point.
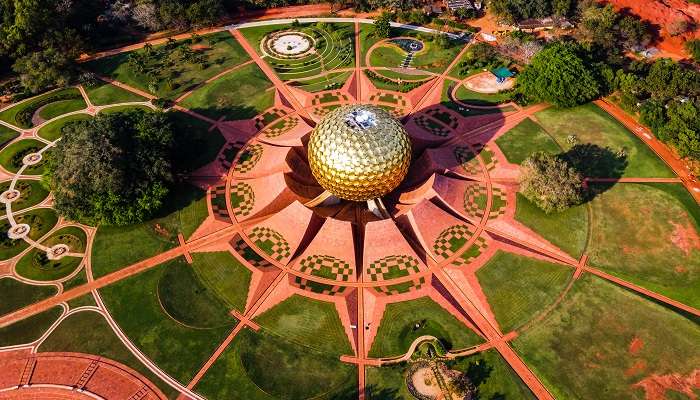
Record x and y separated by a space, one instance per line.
195 144
54 130
116 109
178 349
262 366
591 124
307 323
34 265
116 247
225 276
29 329
61 107
404 77
518 287
7 135
648 234
82 301
567 230
387 382
12 155
387 56
582 350
40 221
254 34
16 295
524 139
31 193
219 51
241 94
189 301
99 339
105 93
325 82
20 115
481 99
79 279
398 328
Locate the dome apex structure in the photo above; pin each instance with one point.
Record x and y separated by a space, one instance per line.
359 152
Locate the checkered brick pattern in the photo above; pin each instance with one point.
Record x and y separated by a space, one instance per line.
432 126
329 97
499 200
326 267
471 253
401 287
388 98
444 117
281 127
248 158
475 199
248 254
267 117
487 155
468 161
322 111
396 112
228 154
391 267
242 199
271 242
451 240
218 203
317 287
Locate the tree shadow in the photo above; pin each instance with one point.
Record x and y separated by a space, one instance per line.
603 166
375 393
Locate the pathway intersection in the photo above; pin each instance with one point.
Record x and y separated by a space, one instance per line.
361 295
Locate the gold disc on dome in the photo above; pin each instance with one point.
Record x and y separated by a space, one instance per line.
359 152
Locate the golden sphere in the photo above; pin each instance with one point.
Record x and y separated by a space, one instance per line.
359 152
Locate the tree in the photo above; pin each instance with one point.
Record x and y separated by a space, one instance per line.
52 66
597 25
114 169
146 15
550 182
382 27
559 76
633 31
693 47
678 27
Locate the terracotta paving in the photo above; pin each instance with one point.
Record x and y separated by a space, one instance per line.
358 290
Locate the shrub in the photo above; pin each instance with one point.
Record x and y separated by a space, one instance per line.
550 182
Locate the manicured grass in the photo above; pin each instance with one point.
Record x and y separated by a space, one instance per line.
29 329
16 294
241 94
36 266
40 221
12 155
82 301
116 247
591 124
59 108
647 235
13 115
481 99
105 93
567 230
31 193
187 300
387 56
398 328
491 376
79 279
220 52
307 323
524 139
262 366
583 349
468 111
518 287
225 276
178 349
54 130
116 109
255 34
434 58
195 144
326 82
404 77
7 135
387 382
72 336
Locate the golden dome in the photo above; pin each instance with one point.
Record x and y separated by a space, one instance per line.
359 152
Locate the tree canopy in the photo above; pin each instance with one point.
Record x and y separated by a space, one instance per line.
113 169
550 182
559 76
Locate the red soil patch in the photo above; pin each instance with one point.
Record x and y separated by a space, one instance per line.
685 237
662 13
656 385
635 345
636 368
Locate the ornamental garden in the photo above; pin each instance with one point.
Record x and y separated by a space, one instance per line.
236 281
